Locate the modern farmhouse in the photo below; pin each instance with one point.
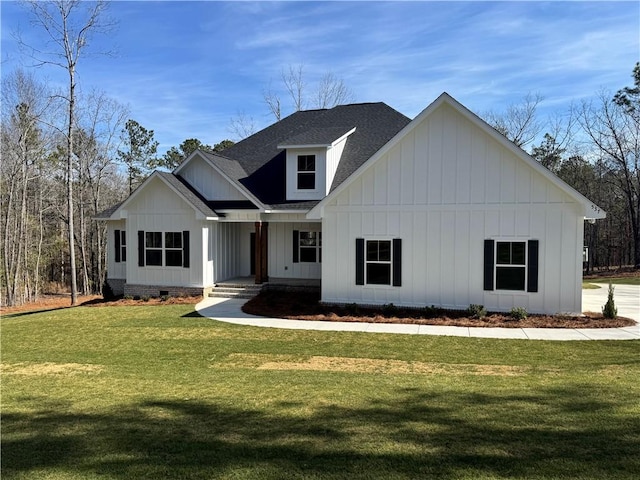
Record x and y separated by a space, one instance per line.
439 210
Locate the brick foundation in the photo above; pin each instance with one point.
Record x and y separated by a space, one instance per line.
116 285
155 291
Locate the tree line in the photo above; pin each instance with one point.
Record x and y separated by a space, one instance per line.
69 153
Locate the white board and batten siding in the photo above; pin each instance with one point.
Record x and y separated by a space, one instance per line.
443 189
158 209
281 264
209 182
116 270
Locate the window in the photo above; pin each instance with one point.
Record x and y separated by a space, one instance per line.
511 265
169 249
123 245
307 247
173 249
379 262
153 248
306 172
120 244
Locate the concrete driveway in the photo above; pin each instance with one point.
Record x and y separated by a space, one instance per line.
626 298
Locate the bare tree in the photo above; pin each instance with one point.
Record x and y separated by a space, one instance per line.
69 26
329 92
614 131
519 122
332 91
242 126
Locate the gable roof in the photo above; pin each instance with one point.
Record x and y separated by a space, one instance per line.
175 183
258 164
591 211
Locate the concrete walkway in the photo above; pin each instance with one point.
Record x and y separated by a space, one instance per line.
627 298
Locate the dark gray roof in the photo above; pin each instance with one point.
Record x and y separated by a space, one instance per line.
107 212
316 136
259 165
189 193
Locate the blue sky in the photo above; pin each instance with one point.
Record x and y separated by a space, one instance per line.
186 68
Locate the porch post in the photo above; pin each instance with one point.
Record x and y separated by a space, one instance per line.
258 252
264 254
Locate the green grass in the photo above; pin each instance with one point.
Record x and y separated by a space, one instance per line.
158 392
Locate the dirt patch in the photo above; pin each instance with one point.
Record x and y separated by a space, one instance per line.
36 369
306 306
57 301
367 365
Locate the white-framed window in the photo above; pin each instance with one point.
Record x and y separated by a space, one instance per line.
511 265
120 245
306 172
307 246
123 245
153 248
168 249
378 262
173 249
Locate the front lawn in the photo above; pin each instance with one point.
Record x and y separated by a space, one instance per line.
159 392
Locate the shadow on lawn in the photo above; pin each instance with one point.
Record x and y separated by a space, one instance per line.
417 435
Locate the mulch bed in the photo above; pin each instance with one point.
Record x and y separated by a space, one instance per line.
306 306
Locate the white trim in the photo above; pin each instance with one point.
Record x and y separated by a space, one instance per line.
239 187
591 210
317 145
136 192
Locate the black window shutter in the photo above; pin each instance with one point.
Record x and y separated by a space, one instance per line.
532 264
488 264
140 248
296 244
185 249
116 237
397 262
359 261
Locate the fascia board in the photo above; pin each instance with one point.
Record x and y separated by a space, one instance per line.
241 188
592 211
156 174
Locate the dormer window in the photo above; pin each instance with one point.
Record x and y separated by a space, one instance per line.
306 172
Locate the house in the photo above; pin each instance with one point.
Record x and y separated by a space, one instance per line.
439 210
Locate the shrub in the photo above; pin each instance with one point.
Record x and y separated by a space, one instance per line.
518 313
389 309
127 297
107 291
145 298
609 309
432 311
164 298
477 311
352 309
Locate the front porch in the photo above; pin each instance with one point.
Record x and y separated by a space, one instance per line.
246 287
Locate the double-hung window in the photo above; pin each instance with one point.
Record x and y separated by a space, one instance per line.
306 174
120 237
153 248
379 262
307 247
511 265
173 249
168 249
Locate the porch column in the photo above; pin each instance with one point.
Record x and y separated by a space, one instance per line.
264 256
262 251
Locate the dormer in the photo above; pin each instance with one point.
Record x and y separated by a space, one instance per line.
312 161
